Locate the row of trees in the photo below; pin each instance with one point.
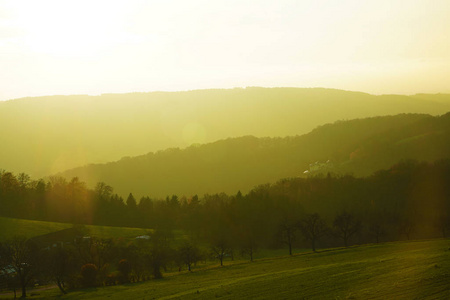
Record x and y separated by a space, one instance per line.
89 262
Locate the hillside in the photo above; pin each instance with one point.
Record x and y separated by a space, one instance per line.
359 146
44 135
12 227
401 270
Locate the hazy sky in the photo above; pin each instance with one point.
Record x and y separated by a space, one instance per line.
93 47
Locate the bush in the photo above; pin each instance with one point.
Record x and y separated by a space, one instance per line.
124 269
89 275
111 278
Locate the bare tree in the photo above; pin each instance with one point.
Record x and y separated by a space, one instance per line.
313 227
60 264
377 225
346 225
287 233
407 228
220 249
100 252
443 223
136 255
189 254
159 253
248 246
377 231
23 257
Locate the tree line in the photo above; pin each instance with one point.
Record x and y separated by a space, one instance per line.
411 199
90 261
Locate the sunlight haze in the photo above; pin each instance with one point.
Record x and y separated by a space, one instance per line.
242 149
94 47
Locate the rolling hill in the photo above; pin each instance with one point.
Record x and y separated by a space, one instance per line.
12 227
44 135
400 270
359 146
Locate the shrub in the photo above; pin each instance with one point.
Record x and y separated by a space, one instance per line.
124 269
89 274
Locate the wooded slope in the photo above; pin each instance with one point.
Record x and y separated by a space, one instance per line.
360 147
44 135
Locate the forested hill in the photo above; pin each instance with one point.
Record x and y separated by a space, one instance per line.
359 146
45 135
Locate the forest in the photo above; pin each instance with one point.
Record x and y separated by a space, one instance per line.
359 147
410 192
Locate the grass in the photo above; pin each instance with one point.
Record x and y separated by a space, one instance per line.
116 232
400 270
10 227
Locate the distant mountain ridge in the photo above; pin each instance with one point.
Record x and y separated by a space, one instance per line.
359 146
44 135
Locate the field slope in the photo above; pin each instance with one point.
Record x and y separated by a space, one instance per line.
401 270
11 227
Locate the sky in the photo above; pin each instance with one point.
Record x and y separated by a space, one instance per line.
94 47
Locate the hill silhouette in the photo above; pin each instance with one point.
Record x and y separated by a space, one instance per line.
359 146
45 135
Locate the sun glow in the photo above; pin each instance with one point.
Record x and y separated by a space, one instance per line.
67 28
92 47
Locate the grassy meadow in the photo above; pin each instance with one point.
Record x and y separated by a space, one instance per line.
11 227
398 270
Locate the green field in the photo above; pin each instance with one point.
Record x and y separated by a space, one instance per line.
400 270
10 227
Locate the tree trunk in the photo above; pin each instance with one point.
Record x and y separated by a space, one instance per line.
58 283
24 287
313 244
24 291
157 271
